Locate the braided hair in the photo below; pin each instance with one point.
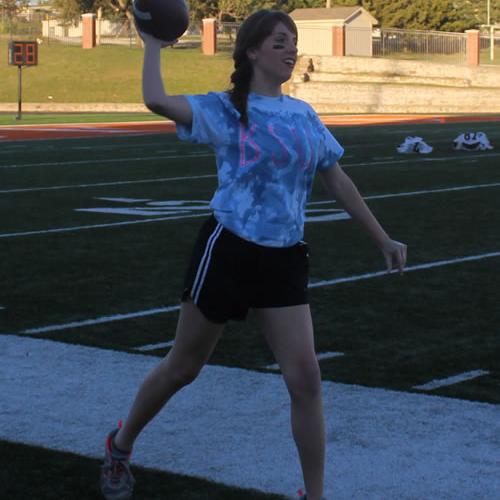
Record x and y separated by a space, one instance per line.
251 34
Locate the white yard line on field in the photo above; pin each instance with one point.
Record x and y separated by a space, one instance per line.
161 219
102 184
317 284
413 159
153 347
100 226
417 267
329 355
102 319
455 379
44 147
320 357
124 200
406 159
418 193
107 160
141 181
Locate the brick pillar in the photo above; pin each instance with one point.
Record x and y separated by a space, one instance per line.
88 31
209 42
338 41
472 47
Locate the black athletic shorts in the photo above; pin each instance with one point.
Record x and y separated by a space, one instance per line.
228 275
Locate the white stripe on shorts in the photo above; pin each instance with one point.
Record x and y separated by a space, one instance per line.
204 263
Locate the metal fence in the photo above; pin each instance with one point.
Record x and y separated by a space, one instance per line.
226 35
20 26
107 33
52 30
490 49
437 46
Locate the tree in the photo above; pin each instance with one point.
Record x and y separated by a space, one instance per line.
200 9
235 10
444 15
71 10
10 8
117 8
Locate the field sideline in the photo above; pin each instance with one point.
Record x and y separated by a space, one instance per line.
20 132
380 444
410 364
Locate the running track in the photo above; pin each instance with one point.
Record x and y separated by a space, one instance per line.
70 131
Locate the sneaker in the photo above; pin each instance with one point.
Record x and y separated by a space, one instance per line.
117 481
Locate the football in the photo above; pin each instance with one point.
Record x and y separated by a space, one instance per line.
166 20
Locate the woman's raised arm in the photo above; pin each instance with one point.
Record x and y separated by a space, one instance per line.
174 107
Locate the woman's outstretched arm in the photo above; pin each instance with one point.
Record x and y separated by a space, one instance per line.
340 186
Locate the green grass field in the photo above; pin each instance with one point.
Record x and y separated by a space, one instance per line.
98 228
110 74
53 118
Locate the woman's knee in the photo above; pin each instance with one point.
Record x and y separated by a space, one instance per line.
179 373
187 374
304 380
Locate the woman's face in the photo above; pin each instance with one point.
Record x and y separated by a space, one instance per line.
275 58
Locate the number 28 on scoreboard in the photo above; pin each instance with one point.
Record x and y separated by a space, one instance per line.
23 53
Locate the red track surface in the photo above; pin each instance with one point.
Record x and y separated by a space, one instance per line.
76 130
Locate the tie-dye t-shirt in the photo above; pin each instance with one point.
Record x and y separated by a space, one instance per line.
265 170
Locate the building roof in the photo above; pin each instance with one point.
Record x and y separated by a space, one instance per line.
333 14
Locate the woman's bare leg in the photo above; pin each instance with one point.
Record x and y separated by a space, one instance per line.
289 332
195 340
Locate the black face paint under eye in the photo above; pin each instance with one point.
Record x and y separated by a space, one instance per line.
278 46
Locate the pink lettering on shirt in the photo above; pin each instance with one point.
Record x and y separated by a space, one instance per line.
246 141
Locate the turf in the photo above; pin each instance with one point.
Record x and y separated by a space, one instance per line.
136 267
396 332
56 475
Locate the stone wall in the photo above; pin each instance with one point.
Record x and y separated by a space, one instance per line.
369 85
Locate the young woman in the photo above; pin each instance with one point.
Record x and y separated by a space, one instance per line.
250 253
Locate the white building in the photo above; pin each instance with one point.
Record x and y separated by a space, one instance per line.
315 28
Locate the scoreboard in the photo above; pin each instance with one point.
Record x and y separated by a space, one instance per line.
22 53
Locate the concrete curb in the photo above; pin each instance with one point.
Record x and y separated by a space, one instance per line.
73 107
